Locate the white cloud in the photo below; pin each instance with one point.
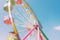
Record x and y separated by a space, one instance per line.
57 28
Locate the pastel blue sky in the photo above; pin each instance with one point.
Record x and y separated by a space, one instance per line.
48 13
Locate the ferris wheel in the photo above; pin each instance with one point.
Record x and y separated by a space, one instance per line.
21 16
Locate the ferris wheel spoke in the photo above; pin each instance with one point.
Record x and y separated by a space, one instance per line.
17 17
21 30
25 9
22 17
23 14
